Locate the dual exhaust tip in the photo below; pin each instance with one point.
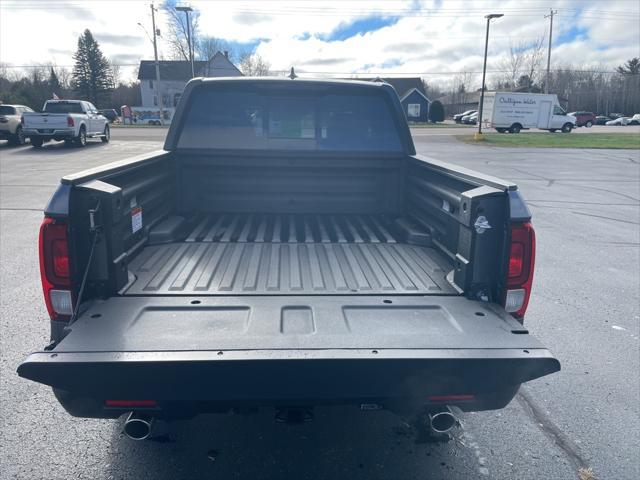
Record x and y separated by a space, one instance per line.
442 421
138 426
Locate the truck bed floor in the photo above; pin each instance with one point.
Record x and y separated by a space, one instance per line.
232 254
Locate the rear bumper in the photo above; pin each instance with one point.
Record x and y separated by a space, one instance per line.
187 383
50 133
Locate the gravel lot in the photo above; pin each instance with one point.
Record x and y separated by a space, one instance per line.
585 308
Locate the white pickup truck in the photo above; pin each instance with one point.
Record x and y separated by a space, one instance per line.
70 120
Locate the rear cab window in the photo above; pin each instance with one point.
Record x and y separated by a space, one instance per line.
7 110
329 119
63 107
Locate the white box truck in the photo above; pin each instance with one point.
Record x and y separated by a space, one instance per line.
514 111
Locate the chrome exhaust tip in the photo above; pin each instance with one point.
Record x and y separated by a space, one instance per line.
442 421
138 426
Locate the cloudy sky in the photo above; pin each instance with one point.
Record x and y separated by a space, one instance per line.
431 38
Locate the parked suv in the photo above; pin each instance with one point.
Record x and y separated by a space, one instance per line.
584 119
635 120
10 127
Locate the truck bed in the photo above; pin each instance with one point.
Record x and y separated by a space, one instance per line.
242 254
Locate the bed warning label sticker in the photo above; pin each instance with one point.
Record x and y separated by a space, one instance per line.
136 219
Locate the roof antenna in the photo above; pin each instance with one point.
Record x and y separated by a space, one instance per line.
292 74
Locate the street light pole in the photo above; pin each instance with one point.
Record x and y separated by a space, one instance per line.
186 10
155 55
478 136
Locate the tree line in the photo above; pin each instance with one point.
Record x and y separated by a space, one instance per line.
579 87
92 78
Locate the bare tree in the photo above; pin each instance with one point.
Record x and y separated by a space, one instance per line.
512 65
178 33
207 47
253 65
116 74
532 61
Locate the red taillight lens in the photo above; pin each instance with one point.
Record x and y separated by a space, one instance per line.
522 253
60 254
54 268
70 122
130 403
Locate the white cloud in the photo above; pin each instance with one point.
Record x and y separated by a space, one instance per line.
431 37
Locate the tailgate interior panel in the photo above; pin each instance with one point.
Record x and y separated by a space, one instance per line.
136 324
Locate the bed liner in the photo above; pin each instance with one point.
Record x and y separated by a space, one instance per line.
244 254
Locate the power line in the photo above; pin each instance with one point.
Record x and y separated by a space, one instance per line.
383 73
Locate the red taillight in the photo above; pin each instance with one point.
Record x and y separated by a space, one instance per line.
54 268
130 403
522 254
70 122
451 398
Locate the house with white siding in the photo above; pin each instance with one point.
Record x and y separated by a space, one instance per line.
174 75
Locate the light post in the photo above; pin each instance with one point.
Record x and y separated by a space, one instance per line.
186 10
478 136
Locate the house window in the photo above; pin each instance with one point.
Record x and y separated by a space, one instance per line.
151 84
413 110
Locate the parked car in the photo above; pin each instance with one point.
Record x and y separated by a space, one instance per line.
473 119
250 264
614 116
602 119
458 117
10 124
467 118
620 121
635 120
70 120
110 114
584 119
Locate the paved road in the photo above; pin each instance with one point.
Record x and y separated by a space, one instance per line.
585 308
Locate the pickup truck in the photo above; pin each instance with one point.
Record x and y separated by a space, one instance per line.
286 249
70 120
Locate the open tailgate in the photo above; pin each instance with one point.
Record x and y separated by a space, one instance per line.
290 348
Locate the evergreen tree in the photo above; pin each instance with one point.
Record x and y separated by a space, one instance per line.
631 67
436 112
91 72
54 83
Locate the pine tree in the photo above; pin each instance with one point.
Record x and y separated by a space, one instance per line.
54 83
91 72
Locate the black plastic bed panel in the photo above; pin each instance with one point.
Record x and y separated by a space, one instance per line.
289 255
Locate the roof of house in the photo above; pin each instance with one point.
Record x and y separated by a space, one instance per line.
181 69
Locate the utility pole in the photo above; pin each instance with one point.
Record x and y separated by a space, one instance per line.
155 55
552 12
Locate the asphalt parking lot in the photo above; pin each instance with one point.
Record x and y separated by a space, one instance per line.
585 309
